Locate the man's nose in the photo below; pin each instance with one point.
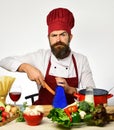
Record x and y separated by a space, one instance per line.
58 38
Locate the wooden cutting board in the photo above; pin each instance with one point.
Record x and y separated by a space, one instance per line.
46 108
110 109
9 120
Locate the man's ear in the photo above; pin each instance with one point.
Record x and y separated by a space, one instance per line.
71 36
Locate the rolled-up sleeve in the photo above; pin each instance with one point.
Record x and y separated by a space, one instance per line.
10 63
38 59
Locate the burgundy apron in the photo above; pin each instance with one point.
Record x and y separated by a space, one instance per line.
45 97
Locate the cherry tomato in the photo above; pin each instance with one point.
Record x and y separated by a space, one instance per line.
3 119
2 108
5 114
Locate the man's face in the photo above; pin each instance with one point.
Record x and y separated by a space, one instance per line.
59 43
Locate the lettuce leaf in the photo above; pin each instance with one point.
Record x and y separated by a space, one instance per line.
58 115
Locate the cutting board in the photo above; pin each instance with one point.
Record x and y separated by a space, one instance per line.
109 109
46 108
8 120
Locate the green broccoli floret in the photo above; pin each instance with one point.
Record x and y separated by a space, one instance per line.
84 106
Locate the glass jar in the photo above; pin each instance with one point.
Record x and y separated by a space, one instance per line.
89 95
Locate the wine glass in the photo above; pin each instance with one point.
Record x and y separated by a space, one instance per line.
15 93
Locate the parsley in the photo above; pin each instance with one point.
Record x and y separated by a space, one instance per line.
20 118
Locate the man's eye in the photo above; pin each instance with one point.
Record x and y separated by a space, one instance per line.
63 34
53 35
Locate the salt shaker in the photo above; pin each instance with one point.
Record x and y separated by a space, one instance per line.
89 95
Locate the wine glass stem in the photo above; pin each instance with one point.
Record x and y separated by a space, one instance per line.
14 103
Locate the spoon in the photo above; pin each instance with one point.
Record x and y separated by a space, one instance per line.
110 89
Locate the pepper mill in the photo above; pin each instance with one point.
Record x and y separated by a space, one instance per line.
59 100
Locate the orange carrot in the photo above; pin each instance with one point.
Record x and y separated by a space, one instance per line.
48 88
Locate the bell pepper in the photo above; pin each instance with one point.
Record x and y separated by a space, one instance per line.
76 117
69 110
68 114
72 109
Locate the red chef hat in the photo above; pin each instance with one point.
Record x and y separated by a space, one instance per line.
60 19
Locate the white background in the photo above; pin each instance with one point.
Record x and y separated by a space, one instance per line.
23 29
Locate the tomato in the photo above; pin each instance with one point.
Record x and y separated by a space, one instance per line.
3 119
72 109
5 114
2 108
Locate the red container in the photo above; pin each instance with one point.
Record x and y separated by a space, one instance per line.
33 120
100 96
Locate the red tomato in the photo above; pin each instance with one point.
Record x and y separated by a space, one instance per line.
3 119
2 108
5 114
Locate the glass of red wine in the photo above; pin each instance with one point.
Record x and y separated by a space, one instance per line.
15 93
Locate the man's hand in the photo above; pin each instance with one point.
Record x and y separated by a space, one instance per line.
33 73
62 82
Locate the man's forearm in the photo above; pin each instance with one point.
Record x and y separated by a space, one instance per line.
23 67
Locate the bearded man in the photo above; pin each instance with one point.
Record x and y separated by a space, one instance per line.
58 65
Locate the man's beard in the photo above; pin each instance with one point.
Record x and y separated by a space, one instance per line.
60 50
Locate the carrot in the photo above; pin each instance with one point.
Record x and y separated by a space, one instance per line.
48 88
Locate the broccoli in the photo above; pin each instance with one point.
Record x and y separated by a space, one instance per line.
84 106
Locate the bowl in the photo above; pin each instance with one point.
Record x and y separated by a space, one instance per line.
33 120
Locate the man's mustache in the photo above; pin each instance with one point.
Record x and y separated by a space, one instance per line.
59 43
